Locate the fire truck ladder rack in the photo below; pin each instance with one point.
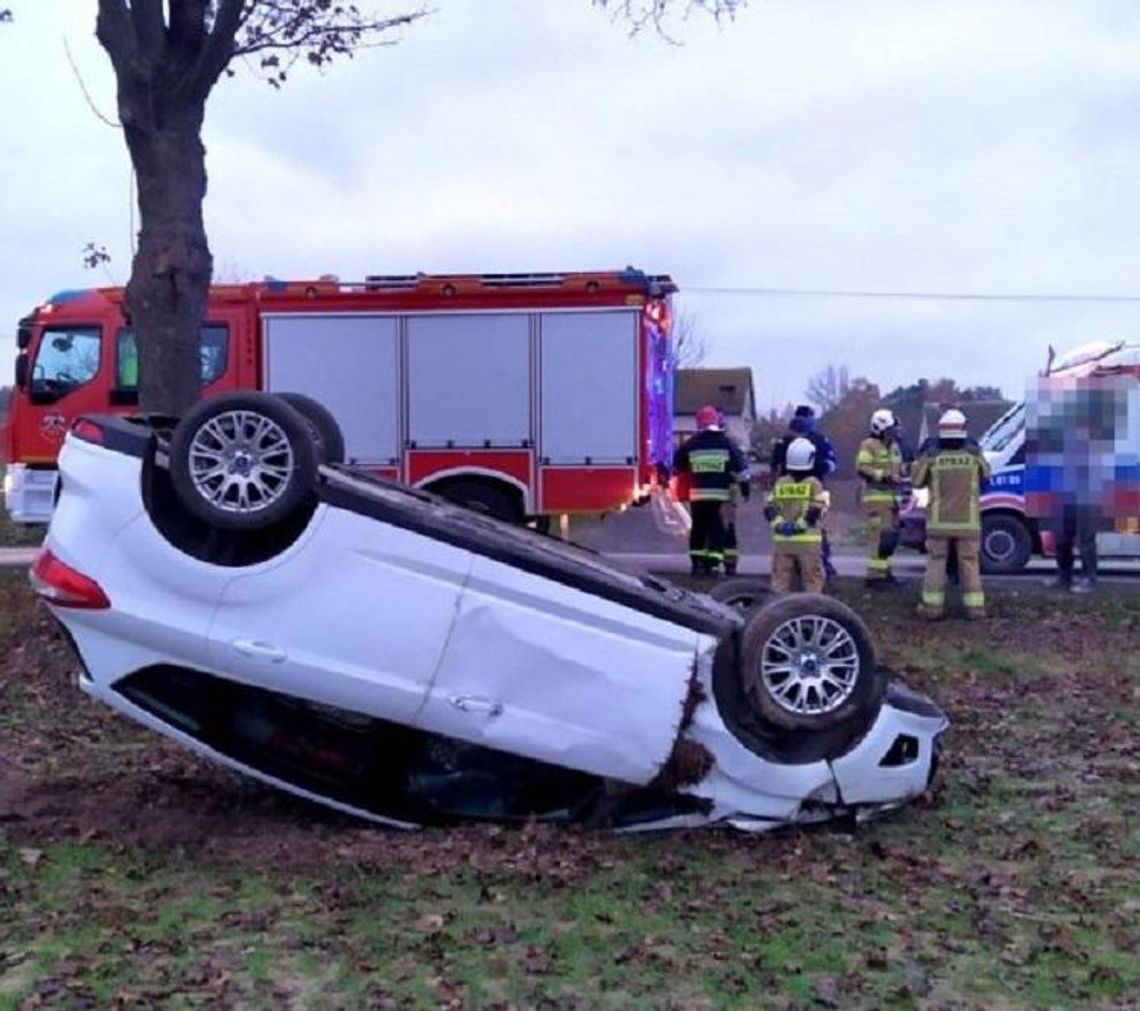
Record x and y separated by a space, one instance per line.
375 282
593 281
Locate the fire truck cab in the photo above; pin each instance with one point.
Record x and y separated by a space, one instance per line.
524 395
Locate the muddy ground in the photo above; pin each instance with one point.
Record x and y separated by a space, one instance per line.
1013 884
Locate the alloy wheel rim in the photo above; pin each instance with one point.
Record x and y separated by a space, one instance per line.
241 462
810 665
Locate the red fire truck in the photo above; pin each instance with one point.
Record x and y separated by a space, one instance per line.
526 395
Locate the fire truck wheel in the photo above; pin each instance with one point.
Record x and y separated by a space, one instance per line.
483 497
744 593
808 663
242 461
325 430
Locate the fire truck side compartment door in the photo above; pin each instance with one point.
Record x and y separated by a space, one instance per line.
469 380
349 364
589 387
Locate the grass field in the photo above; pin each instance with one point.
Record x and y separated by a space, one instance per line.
134 875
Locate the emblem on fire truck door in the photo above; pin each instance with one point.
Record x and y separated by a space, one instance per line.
54 426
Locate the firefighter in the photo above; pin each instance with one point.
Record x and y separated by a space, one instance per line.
712 462
928 448
879 463
803 424
728 517
954 471
796 506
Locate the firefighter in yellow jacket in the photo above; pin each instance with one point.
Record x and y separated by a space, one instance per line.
796 506
879 463
954 472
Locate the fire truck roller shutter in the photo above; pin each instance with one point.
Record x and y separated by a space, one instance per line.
347 363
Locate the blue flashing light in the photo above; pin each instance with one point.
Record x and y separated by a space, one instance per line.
71 295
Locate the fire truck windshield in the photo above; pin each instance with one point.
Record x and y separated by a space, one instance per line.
66 358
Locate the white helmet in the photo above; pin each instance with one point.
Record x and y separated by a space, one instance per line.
800 455
882 421
952 425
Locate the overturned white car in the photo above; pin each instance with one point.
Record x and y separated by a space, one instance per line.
392 655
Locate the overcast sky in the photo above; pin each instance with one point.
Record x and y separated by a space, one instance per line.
907 146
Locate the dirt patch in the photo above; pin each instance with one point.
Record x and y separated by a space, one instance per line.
136 874
70 770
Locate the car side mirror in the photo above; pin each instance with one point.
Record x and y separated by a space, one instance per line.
21 370
23 336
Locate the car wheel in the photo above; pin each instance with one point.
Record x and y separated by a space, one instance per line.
483 498
1006 545
242 461
808 663
745 594
322 425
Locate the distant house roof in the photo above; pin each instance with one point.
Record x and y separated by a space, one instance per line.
729 389
980 414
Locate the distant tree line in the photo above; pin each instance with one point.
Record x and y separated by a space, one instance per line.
844 403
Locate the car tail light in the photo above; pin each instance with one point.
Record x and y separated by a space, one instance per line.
63 586
88 431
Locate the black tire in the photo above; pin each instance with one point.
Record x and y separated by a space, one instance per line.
1007 545
324 427
795 700
483 497
744 593
209 429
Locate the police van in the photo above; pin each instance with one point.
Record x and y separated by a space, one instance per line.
1011 535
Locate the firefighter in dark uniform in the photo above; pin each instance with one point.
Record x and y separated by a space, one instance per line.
713 463
728 517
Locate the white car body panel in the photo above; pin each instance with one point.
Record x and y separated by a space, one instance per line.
862 780
163 599
739 783
357 618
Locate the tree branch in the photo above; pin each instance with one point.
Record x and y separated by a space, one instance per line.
314 33
219 48
644 13
188 26
300 32
115 33
150 27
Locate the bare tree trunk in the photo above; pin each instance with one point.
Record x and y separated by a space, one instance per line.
170 276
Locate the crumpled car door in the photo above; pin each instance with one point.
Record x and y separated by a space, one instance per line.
544 670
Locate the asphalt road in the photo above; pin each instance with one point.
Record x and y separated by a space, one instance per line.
905 566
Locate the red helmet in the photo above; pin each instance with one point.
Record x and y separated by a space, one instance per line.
708 417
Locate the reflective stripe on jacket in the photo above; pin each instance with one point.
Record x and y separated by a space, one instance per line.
713 463
876 463
954 477
791 499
